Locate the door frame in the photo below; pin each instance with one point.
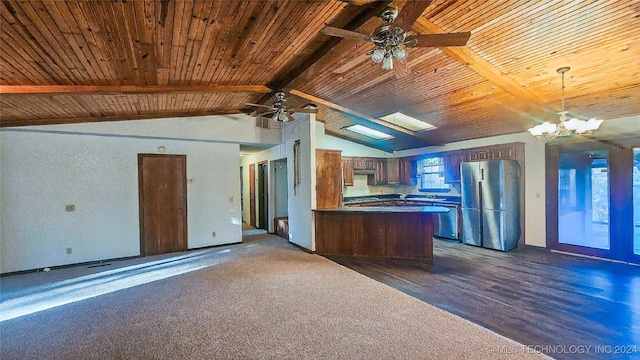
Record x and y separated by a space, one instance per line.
252 195
141 197
263 195
620 162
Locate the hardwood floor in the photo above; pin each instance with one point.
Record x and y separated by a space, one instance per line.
555 302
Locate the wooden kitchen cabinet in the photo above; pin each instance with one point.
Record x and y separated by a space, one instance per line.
503 152
393 171
361 163
379 176
347 171
328 179
407 172
477 154
452 162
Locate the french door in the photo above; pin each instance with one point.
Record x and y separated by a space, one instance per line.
593 192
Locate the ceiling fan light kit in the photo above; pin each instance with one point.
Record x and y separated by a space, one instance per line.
279 112
565 127
391 41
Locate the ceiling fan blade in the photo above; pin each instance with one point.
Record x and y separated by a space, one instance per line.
351 35
290 117
409 13
351 64
307 111
264 113
450 39
401 68
258 105
358 2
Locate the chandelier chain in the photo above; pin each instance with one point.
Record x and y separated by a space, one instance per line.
562 91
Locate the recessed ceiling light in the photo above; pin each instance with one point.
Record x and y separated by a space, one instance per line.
363 130
407 122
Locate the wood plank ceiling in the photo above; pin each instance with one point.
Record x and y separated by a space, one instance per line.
85 61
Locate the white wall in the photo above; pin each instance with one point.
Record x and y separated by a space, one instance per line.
303 200
280 193
45 168
231 129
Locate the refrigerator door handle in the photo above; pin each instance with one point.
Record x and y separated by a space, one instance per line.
482 174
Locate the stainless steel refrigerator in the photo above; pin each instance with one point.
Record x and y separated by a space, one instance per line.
491 203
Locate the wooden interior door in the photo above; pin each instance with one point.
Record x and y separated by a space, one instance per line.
252 195
328 179
163 203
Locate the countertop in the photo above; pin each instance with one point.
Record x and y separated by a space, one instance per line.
408 200
389 209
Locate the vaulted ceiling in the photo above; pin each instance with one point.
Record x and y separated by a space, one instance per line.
88 61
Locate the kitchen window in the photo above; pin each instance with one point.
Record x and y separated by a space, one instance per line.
431 174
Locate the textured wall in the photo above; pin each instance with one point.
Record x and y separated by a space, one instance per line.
42 172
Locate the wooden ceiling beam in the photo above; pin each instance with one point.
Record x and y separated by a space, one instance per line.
82 89
477 63
88 119
374 144
343 109
350 18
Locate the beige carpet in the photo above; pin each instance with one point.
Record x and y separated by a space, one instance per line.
264 300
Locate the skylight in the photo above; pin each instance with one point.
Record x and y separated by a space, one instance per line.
407 122
363 130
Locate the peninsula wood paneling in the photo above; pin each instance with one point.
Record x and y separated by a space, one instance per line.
380 234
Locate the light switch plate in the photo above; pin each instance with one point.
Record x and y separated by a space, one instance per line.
70 207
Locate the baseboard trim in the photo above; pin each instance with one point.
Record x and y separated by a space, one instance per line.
57 267
97 263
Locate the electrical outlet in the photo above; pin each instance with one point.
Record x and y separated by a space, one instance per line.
70 208
231 199
69 251
213 234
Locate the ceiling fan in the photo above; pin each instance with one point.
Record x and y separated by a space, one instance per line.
278 111
391 40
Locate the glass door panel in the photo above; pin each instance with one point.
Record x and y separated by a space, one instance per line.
583 199
636 201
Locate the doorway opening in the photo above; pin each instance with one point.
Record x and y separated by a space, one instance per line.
593 192
280 197
263 198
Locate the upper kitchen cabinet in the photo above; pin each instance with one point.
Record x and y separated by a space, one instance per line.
453 159
407 172
380 171
328 179
393 171
379 176
452 162
497 152
366 164
347 171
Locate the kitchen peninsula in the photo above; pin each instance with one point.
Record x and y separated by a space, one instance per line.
377 231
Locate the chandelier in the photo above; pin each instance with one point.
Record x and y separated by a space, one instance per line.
564 127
